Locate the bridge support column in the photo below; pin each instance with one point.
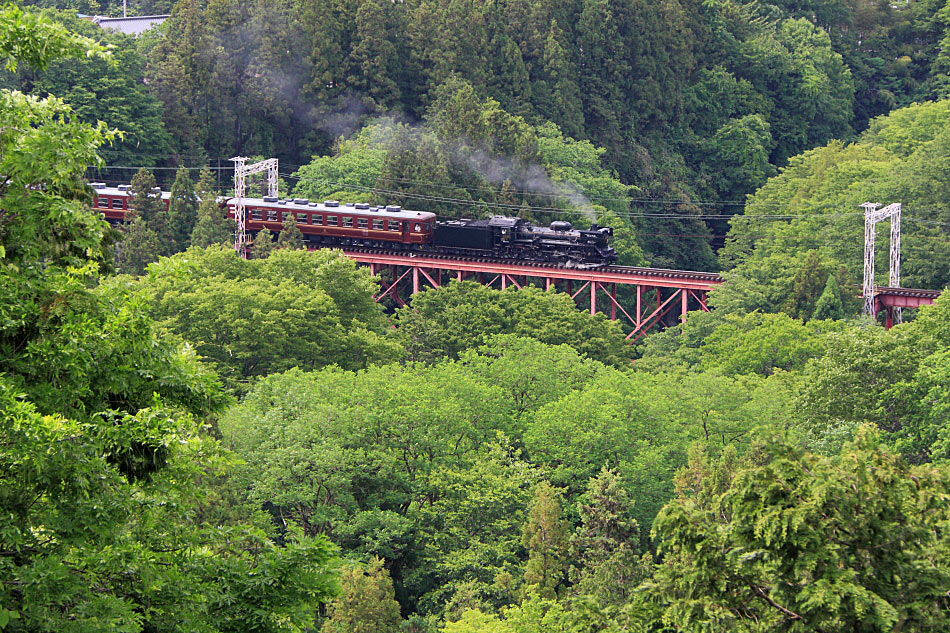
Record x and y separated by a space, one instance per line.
636 323
415 280
684 293
613 303
593 298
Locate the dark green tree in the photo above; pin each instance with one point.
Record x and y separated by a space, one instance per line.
829 305
183 210
366 603
807 286
792 541
147 205
139 246
263 244
602 71
290 235
605 560
213 226
509 84
557 93
380 59
545 536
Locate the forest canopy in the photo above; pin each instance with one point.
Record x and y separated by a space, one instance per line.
208 442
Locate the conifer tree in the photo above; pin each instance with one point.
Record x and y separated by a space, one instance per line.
149 207
806 287
558 96
183 210
212 226
829 303
290 236
366 604
545 537
263 244
509 83
604 546
139 246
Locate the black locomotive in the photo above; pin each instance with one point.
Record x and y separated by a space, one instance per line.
502 236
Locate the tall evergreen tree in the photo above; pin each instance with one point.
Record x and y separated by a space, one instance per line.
605 561
380 59
557 94
545 537
290 236
213 225
366 604
509 83
829 303
139 247
150 209
183 210
263 244
602 72
806 287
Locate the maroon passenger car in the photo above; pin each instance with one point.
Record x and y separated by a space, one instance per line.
333 223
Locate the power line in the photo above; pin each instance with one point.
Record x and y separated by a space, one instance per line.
516 207
553 210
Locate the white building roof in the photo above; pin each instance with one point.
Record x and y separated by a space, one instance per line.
132 25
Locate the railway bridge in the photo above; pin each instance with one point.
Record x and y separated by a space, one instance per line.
646 295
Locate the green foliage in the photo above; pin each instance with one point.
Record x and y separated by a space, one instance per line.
290 236
887 378
463 315
212 227
105 88
104 449
828 306
36 41
366 603
545 536
640 424
605 561
901 158
255 317
796 542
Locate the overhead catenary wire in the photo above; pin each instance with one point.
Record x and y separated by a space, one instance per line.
546 209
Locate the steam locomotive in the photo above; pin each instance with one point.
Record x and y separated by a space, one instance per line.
331 223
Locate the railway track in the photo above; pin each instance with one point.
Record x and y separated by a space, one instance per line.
416 256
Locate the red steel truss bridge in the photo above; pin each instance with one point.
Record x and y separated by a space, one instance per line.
891 299
653 292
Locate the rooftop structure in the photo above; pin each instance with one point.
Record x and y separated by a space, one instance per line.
132 25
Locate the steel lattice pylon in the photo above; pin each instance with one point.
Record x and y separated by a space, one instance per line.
873 215
241 171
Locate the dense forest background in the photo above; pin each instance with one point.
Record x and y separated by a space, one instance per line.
693 105
203 442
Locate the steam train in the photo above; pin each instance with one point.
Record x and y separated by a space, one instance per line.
331 223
